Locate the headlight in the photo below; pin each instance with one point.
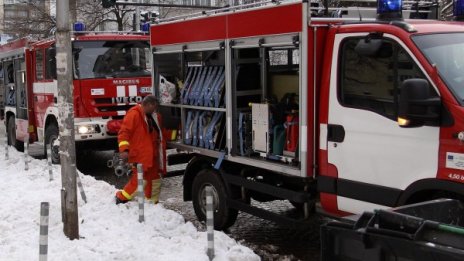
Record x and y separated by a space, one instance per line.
83 130
86 129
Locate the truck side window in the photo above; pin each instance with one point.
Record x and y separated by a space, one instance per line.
50 65
39 64
371 80
10 96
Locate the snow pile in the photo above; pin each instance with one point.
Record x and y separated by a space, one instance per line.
108 231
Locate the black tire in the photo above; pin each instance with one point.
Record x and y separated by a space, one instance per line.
12 141
51 135
224 216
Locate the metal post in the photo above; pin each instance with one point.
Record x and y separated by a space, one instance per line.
210 221
72 12
65 104
141 197
81 188
137 17
26 153
6 149
43 239
49 162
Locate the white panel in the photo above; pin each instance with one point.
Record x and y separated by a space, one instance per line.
121 91
99 91
121 112
323 136
132 90
455 160
304 140
356 206
45 87
260 126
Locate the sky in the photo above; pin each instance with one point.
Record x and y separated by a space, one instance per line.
107 231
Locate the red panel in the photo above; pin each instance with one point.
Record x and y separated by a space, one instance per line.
14 45
330 205
203 29
85 102
276 20
450 143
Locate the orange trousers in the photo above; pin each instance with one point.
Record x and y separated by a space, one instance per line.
151 184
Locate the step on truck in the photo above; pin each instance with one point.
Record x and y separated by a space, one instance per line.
111 73
280 101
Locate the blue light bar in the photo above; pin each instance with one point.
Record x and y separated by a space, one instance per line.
458 9
79 27
389 9
145 27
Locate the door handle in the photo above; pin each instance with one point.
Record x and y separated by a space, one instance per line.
335 133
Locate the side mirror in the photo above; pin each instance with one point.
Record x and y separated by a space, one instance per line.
417 106
368 47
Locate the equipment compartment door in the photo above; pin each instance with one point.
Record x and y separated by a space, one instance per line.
375 158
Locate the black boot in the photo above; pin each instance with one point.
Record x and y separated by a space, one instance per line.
120 201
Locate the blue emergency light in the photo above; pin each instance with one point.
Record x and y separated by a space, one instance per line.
79 27
389 9
458 9
145 27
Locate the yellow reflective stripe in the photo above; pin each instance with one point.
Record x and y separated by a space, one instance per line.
123 143
127 195
173 134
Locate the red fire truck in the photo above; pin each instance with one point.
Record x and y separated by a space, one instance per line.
275 102
111 73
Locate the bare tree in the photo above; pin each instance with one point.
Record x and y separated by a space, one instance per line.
121 15
29 18
38 20
92 13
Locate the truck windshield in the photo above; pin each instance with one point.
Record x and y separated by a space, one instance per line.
446 51
110 59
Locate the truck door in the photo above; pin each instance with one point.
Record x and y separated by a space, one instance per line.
21 94
374 157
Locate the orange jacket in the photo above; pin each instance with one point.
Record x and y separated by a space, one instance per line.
144 147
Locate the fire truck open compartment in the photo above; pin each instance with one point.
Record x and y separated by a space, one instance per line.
247 88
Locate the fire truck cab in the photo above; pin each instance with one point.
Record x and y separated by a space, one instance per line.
277 103
111 73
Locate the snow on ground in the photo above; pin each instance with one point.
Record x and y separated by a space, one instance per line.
107 231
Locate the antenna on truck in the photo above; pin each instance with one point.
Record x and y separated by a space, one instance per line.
360 15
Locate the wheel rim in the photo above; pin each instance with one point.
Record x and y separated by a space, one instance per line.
202 198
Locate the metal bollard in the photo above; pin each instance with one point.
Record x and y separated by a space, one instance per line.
43 239
81 188
141 197
49 162
6 149
210 221
26 153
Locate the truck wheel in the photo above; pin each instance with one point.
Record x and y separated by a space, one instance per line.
51 138
224 216
19 145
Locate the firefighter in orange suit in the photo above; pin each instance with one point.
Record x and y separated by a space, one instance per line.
141 142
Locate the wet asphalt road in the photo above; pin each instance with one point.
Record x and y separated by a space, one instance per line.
268 240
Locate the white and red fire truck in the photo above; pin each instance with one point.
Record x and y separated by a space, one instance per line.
111 73
275 102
